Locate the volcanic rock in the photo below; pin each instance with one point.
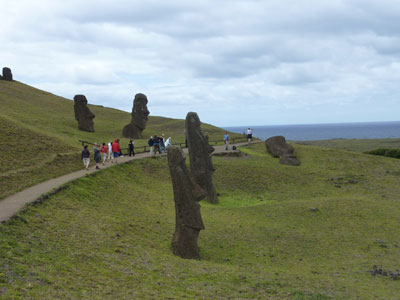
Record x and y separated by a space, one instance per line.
139 119
7 74
187 194
278 147
83 114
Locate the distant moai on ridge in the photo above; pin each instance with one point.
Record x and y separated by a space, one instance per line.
139 119
7 74
83 114
187 194
201 165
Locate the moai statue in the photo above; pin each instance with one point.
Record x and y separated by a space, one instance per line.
278 147
187 195
200 157
83 114
140 115
7 74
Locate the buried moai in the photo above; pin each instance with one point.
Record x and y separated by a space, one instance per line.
278 147
187 194
140 115
83 114
7 74
200 157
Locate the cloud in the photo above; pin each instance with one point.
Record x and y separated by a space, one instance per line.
247 61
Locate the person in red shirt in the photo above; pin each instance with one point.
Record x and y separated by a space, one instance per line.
104 152
116 148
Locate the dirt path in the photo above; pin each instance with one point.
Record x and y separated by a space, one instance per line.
10 205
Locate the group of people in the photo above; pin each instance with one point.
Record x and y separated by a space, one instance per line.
105 153
159 143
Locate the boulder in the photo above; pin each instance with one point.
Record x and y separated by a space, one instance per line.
7 74
83 114
187 194
278 147
200 151
139 119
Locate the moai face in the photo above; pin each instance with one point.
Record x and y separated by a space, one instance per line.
140 113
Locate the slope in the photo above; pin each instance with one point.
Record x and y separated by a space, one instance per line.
279 232
42 137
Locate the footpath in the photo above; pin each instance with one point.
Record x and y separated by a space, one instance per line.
10 205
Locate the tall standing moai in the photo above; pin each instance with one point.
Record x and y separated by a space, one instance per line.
7 74
140 115
83 114
200 151
187 195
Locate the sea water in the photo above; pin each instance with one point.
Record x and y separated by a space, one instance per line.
309 132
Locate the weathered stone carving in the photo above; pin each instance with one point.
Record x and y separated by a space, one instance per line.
187 194
140 115
7 74
278 147
83 114
200 159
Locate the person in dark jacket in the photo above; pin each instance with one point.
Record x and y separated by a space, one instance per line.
85 157
97 155
131 148
156 144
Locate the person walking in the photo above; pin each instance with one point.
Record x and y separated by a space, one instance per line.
150 142
131 148
249 134
156 144
120 149
168 143
162 143
115 149
97 155
85 157
226 140
110 153
104 150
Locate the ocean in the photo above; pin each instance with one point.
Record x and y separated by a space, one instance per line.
310 132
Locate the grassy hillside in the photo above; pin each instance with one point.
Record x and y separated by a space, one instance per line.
280 232
41 138
358 145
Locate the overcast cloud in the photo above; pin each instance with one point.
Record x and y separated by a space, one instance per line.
248 62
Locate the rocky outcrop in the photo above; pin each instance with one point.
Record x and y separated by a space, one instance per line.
7 74
200 151
83 114
278 147
187 194
140 115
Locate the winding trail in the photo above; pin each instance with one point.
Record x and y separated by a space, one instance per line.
10 205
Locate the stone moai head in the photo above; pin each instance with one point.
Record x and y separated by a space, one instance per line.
140 113
7 74
83 114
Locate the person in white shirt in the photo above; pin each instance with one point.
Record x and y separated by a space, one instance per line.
110 153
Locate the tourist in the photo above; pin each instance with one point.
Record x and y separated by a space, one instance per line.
115 149
120 150
110 153
86 157
168 143
226 140
104 150
97 155
162 144
249 134
131 147
156 144
150 142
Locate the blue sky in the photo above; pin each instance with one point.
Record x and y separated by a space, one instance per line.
234 62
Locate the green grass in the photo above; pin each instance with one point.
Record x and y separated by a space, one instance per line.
40 135
107 236
358 145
